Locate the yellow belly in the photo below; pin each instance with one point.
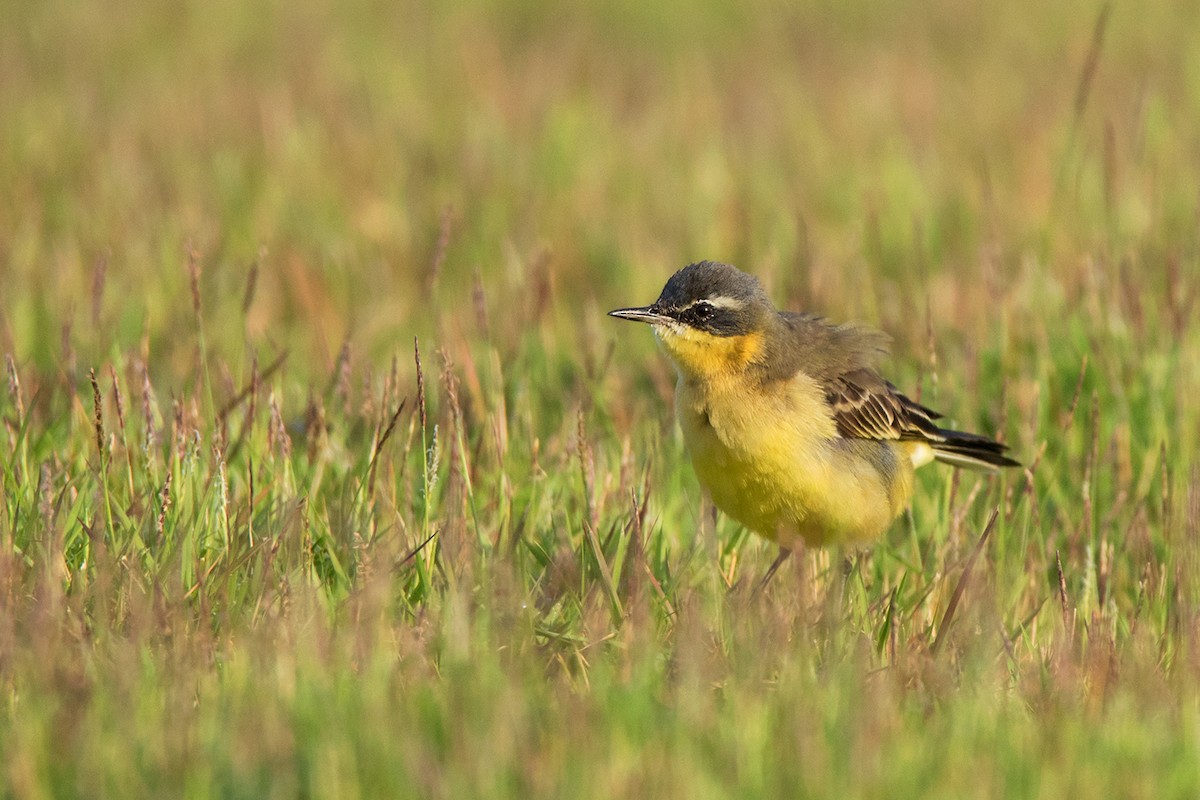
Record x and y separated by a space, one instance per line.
774 462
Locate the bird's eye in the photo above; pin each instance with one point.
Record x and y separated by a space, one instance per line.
704 310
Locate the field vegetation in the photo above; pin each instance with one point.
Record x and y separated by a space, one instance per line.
323 474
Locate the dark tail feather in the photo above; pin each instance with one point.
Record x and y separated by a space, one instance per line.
971 451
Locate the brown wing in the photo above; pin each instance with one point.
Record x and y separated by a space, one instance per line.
865 406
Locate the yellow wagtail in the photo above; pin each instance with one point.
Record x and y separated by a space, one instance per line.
788 425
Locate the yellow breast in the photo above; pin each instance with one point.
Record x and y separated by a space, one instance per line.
771 458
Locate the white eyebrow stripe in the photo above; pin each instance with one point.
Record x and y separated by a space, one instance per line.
724 302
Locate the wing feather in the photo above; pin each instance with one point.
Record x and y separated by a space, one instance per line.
842 359
865 406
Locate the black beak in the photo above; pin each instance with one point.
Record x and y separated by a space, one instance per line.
649 314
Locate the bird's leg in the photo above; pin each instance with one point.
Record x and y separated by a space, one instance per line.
779 559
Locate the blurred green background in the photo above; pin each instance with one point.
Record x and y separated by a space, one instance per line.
861 157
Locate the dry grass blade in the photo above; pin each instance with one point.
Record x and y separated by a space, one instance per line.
14 388
411 554
1083 93
1087 76
98 418
99 273
445 229
961 587
1064 604
193 270
250 498
339 379
587 469
254 382
119 404
379 443
420 386
1069 418
252 280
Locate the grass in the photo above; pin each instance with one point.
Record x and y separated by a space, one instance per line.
323 473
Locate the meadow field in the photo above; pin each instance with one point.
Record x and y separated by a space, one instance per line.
324 474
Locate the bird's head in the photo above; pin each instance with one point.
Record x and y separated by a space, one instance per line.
710 317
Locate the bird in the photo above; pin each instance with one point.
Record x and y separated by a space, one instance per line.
788 424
